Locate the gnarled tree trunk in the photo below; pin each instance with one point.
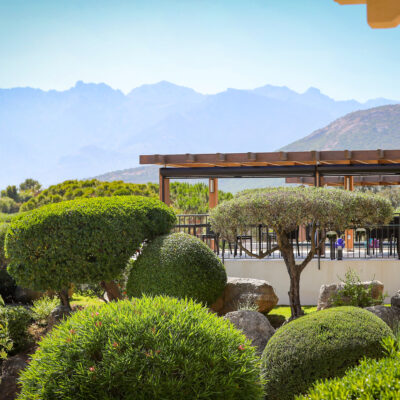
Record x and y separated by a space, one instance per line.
64 298
112 290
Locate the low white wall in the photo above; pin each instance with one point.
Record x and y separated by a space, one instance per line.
274 271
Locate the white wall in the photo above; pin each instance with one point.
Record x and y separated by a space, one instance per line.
274 271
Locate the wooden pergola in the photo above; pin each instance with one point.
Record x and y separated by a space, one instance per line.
335 168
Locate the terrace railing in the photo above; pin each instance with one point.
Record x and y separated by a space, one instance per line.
368 241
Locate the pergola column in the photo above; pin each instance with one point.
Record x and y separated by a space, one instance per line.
349 233
164 190
212 192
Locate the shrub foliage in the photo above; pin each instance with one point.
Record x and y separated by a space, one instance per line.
178 265
372 379
150 348
320 345
82 241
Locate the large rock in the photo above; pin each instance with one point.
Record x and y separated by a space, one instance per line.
246 292
254 325
395 300
9 374
58 314
389 315
327 291
26 296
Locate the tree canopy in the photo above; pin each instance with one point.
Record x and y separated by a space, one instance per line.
286 209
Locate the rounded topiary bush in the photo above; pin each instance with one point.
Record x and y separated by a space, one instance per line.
178 265
320 345
149 348
372 379
7 283
82 241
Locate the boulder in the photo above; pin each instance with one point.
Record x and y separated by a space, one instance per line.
251 293
327 291
389 315
26 296
395 300
254 325
58 314
9 374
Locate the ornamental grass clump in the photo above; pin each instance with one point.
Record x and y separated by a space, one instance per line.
148 348
82 241
320 345
178 265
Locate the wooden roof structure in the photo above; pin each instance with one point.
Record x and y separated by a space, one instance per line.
281 163
334 168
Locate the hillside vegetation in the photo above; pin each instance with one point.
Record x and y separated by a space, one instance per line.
185 198
375 128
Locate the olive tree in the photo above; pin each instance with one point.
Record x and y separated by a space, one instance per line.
286 209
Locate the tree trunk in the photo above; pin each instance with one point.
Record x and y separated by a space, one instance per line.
294 295
112 290
294 271
64 298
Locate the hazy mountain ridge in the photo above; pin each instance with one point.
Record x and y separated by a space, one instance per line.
91 128
375 128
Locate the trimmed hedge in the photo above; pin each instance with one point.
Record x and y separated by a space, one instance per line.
82 241
320 345
177 265
17 319
150 348
372 379
7 283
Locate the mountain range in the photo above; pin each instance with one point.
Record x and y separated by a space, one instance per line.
92 128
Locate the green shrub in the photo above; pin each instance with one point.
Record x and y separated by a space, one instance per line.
82 241
43 307
17 319
178 265
354 293
150 348
320 345
7 283
372 379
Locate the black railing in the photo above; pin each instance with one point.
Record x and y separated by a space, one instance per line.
362 242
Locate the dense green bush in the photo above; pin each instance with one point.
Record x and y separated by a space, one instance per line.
82 241
354 293
320 345
7 283
178 265
150 348
185 197
43 307
372 379
17 319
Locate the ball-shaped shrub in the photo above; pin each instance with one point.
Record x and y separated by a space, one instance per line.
178 265
82 241
372 379
320 345
150 348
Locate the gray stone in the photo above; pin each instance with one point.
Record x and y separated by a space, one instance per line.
254 325
254 293
327 291
390 315
9 375
58 314
395 300
25 296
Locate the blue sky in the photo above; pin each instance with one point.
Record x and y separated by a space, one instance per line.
208 45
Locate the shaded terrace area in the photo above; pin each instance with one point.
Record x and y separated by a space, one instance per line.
318 168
